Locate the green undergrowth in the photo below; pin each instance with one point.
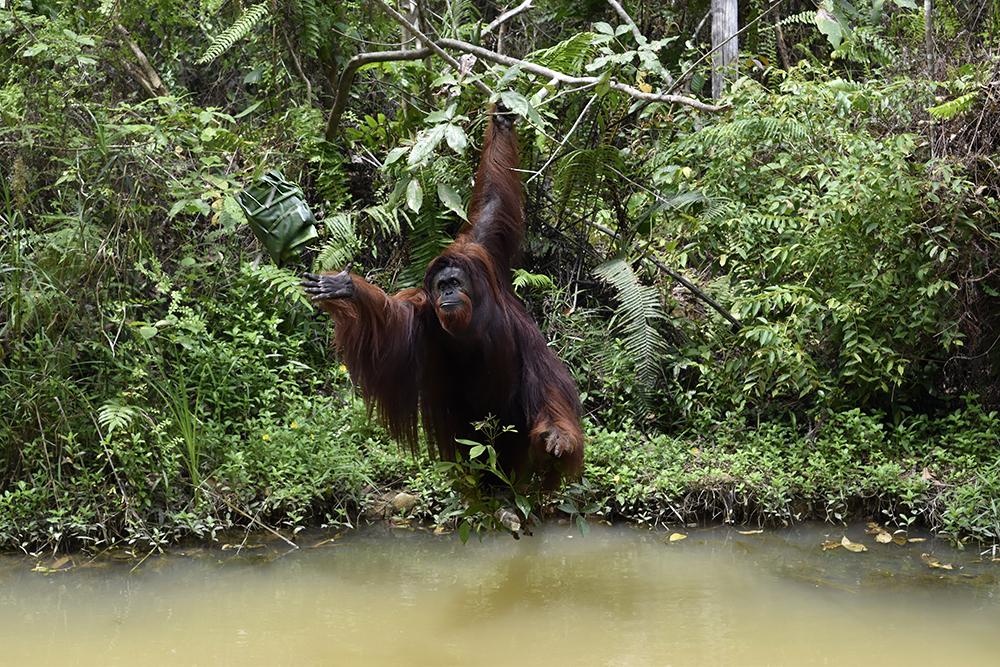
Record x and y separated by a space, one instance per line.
325 465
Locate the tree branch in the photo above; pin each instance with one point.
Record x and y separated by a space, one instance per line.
428 42
554 77
347 78
149 79
559 77
627 19
506 16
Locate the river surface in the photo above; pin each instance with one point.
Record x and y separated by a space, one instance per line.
616 596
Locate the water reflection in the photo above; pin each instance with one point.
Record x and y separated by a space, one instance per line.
619 596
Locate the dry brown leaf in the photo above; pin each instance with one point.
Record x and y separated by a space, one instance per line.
853 547
677 537
830 544
914 540
882 536
899 539
750 532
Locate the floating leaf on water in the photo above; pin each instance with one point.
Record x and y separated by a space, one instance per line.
750 532
914 540
882 535
853 547
932 561
61 564
677 537
899 538
441 530
830 545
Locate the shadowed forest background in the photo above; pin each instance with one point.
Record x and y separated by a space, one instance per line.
162 375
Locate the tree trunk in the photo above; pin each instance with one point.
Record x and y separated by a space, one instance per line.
725 44
929 35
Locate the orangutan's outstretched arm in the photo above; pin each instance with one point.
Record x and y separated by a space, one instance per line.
377 336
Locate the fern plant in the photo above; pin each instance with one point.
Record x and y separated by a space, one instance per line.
234 33
638 310
279 281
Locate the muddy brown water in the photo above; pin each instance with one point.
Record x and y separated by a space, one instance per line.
616 596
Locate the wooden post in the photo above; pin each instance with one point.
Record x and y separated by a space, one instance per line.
725 44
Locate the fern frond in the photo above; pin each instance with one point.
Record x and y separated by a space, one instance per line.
234 33
638 308
281 282
583 169
114 416
537 281
341 245
955 107
310 38
569 55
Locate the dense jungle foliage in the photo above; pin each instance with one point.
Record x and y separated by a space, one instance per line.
162 376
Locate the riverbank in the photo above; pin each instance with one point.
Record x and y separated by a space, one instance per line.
328 466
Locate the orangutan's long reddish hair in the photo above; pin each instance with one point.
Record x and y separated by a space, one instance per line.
486 358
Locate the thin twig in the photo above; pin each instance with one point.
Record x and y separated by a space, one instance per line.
506 16
564 140
701 24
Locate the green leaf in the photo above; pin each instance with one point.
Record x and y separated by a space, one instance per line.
395 154
33 51
463 531
523 504
147 331
477 451
177 207
455 136
516 102
249 110
414 196
906 4
829 26
451 200
520 105
426 142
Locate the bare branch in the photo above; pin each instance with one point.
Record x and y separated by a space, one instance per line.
561 78
428 42
347 78
148 78
506 16
701 24
564 140
627 19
